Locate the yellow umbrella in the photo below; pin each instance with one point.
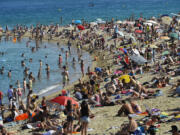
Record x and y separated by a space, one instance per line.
166 20
165 37
125 77
151 46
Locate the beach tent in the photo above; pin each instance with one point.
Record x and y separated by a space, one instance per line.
166 20
77 22
80 27
140 60
62 100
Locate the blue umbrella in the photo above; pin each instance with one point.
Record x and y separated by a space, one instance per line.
77 22
178 54
164 15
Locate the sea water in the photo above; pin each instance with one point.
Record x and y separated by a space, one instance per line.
29 12
47 52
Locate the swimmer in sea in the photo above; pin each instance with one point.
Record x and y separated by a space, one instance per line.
22 55
62 49
9 74
26 71
2 70
22 63
30 60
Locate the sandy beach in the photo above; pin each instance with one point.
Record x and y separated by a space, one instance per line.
105 121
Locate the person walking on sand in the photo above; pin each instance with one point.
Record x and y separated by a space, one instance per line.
65 75
82 67
84 117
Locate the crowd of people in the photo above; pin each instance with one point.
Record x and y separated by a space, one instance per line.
142 48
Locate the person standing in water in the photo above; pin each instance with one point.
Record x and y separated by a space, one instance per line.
67 55
60 59
65 75
69 46
9 74
82 67
47 70
40 63
24 85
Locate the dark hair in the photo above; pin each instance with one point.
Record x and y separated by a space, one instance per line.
123 101
69 105
84 109
174 128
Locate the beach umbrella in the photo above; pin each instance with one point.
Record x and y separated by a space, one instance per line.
80 27
164 15
151 21
118 22
100 21
152 46
138 31
166 20
165 38
146 23
140 60
165 53
173 35
77 22
126 78
93 23
62 100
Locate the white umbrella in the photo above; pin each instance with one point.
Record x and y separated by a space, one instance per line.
151 21
93 23
118 22
146 23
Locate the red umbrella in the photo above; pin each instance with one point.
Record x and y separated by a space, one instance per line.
80 27
62 100
138 31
